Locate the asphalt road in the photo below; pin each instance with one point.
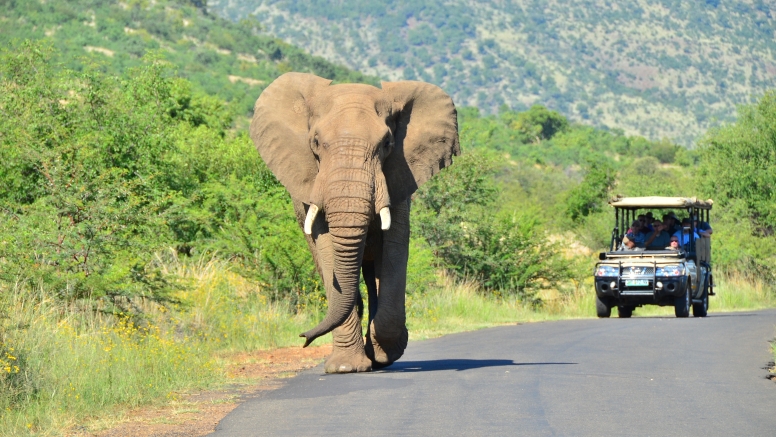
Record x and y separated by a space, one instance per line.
608 377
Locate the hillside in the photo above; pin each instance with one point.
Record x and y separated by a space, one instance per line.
670 68
233 61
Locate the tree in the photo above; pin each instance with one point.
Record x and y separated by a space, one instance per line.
589 196
505 252
540 123
738 162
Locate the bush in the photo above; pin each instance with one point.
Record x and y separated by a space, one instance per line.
506 254
590 196
90 155
738 162
99 173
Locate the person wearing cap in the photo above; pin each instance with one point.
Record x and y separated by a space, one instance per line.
684 234
671 223
673 243
659 237
702 228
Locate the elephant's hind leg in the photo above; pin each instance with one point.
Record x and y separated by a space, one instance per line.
347 354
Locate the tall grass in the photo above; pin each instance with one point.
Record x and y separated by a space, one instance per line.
63 365
231 313
461 306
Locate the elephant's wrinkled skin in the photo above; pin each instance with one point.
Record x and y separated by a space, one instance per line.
351 156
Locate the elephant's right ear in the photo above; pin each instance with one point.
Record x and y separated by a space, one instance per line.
280 130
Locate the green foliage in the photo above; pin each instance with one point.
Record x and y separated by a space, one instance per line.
230 61
99 173
738 162
540 123
506 254
591 195
545 137
737 169
647 177
421 267
93 156
665 151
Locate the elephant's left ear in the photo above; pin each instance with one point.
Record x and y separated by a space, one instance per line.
425 137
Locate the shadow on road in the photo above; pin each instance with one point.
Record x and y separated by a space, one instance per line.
456 364
711 315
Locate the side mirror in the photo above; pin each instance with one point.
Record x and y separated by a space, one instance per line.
602 256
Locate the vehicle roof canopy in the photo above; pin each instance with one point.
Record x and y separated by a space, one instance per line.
660 202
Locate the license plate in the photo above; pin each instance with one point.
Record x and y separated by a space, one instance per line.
637 283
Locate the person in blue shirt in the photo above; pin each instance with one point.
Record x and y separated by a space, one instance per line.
684 234
636 233
703 228
629 245
658 238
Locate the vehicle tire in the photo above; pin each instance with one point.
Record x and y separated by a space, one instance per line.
682 303
702 309
601 308
624 312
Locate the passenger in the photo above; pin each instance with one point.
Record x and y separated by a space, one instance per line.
674 225
628 244
636 233
684 235
673 244
659 237
645 224
702 228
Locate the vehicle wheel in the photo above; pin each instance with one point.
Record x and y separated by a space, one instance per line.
601 308
624 312
702 309
682 304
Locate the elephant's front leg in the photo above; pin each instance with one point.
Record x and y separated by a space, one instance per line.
387 334
347 353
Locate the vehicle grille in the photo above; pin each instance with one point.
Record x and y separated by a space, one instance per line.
638 271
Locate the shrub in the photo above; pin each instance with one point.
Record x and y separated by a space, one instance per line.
99 173
506 254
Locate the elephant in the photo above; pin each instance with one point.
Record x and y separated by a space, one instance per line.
349 154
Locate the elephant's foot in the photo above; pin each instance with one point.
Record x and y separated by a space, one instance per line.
384 346
344 360
347 355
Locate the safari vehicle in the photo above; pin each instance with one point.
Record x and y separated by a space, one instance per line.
681 278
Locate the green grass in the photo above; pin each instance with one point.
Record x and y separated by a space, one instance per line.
66 366
60 366
456 307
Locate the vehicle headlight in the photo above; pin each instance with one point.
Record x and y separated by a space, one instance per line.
677 270
603 270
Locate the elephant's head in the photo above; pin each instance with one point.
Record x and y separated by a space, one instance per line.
348 151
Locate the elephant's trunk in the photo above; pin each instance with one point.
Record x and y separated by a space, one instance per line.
348 207
348 246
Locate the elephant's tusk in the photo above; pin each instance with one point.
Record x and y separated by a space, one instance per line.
385 218
310 219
